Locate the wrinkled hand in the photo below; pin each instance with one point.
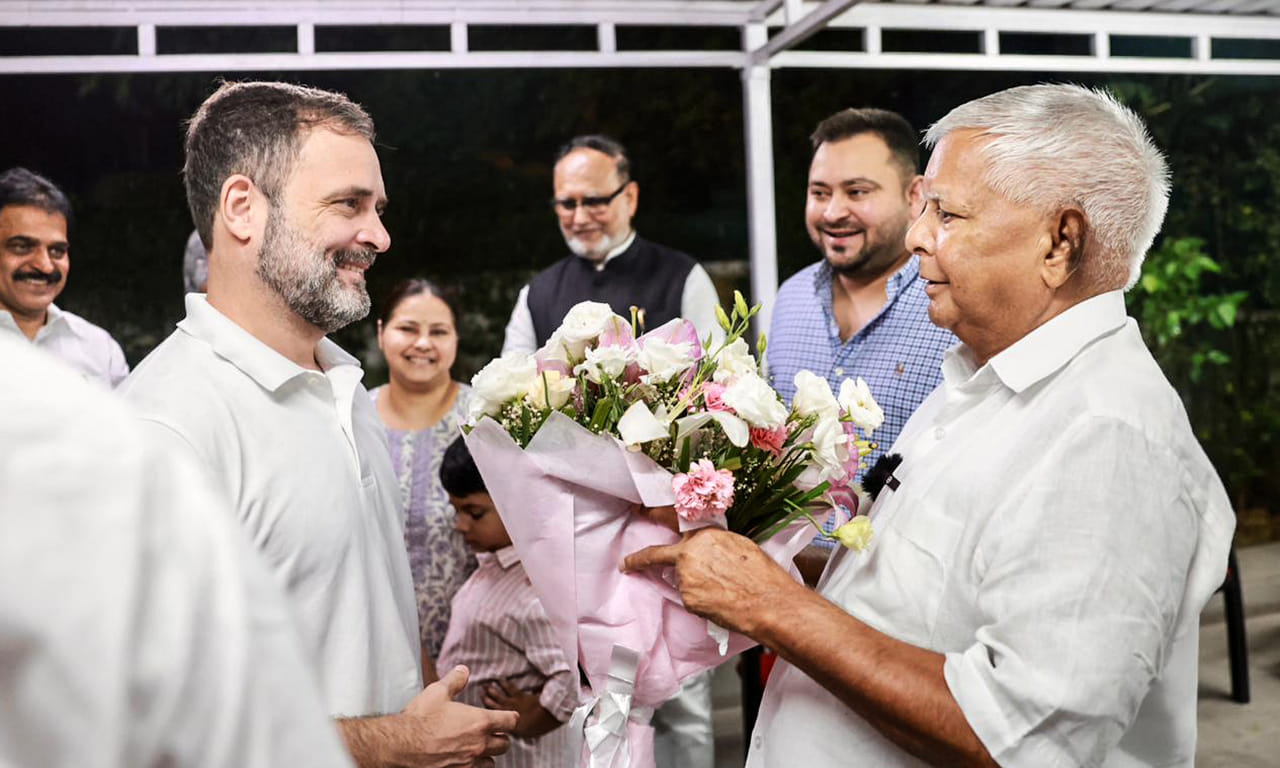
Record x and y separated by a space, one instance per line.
721 576
454 734
505 695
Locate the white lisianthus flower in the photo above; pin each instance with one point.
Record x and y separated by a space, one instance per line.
550 389
753 399
555 351
584 323
830 449
663 361
606 362
855 398
733 361
813 397
502 380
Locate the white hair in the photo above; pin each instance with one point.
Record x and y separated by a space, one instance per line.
1051 146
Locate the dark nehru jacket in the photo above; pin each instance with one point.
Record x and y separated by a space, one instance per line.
646 275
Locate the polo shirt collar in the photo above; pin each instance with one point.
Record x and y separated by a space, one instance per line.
264 365
1046 349
503 558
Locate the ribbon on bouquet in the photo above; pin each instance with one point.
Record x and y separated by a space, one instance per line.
602 722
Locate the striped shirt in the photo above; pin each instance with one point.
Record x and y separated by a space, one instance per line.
899 353
499 630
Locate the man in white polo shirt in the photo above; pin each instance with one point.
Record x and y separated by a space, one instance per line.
286 191
35 258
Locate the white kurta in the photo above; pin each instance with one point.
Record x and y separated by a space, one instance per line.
303 460
137 626
77 342
1056 532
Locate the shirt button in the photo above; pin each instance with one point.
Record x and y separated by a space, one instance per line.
939 433
757 740
839 371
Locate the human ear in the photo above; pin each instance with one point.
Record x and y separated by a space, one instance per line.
1067 247
237 206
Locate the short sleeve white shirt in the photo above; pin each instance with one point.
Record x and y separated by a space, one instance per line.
137 625
77 342
303 460
1055 532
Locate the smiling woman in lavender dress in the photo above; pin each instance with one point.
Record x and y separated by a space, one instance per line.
422 407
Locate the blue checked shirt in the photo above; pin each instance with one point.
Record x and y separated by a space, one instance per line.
898 353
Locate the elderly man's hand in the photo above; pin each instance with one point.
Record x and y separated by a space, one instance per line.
722 576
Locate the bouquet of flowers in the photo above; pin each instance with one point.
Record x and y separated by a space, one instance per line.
600 419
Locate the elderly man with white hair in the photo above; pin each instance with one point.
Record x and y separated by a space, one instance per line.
1044 549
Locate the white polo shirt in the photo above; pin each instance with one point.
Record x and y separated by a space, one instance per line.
137 625
303 459
1055 533
77 342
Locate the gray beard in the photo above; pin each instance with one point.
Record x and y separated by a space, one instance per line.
308 280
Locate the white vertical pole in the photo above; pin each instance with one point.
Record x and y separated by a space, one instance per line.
458 37
758 122
146 39
306 39
607 37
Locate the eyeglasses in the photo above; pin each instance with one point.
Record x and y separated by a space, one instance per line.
593 205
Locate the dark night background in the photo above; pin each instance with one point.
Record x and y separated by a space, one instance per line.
466 160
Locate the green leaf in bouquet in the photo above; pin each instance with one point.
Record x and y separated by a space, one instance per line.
682 464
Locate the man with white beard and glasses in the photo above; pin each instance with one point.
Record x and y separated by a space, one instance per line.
286 192
594 199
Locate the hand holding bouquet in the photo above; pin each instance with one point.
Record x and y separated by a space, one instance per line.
570 438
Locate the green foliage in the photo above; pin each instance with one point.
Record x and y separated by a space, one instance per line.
1169 300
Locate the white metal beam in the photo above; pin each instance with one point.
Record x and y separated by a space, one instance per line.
757 113
81 13
1022 63
796 32
391 60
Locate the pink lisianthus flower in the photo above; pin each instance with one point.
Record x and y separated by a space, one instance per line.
770 440
703 492
713 396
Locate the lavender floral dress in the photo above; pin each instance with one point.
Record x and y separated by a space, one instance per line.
438 557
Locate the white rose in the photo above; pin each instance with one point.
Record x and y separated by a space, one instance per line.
606 362
502 380
663 360
754 400
855 398
733 361
584 322
550 389
814 398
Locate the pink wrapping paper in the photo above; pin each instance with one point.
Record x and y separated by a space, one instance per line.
565 502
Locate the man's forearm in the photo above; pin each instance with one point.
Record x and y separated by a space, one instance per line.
896 687
366 738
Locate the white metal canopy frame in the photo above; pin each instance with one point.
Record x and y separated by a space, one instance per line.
1239 37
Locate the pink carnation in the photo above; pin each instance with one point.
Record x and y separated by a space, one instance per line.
704 492
771 440
713 396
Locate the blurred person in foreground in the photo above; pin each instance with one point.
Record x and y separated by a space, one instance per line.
286 191
1032 593
138 628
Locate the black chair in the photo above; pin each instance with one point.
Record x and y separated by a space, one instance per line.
1237 643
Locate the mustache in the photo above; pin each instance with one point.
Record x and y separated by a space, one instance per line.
355 257
48 278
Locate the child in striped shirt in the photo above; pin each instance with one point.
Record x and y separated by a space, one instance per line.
500 631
